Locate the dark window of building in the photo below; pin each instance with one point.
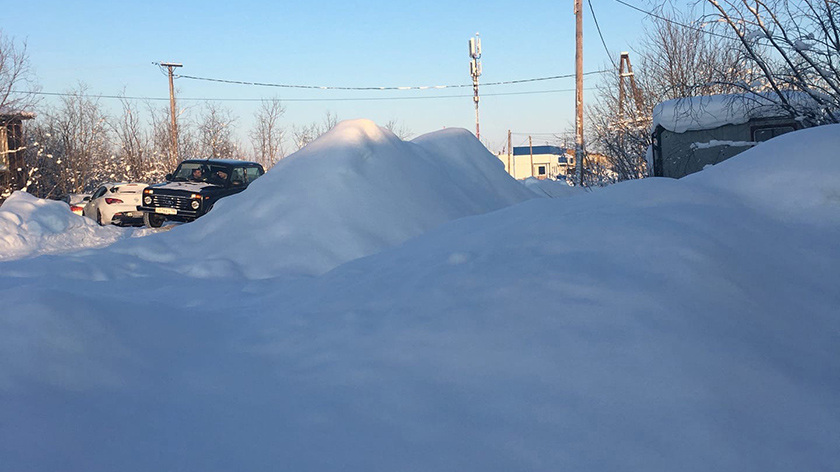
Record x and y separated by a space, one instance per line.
541 170
763 134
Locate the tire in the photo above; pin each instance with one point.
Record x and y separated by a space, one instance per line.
152 220
99 218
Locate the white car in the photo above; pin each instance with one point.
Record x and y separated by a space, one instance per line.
116 203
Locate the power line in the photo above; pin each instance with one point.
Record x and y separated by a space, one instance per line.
424 87
349 99
649 13
598 27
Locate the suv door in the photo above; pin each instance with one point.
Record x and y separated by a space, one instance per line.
237 177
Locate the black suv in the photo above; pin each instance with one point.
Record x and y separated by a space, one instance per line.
194 187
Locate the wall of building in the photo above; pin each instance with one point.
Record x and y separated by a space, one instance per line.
523 166
681 154
11 158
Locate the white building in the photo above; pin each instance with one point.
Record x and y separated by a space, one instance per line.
541 162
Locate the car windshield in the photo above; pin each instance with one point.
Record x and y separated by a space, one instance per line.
202 172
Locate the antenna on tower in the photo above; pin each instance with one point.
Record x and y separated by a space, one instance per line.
475 72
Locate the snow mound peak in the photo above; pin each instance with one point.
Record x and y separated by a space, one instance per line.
359 129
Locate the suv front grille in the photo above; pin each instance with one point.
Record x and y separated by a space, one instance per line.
171 201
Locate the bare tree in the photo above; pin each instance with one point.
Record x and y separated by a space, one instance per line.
17 81
162 161
267 134
132 142
71 149
330 120
677 59
160 138
400 130
793 45
215 131
308 133
623 139
305 134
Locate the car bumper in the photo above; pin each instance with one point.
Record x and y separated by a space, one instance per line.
128 218
169 213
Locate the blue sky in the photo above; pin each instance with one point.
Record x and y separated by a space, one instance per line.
110 47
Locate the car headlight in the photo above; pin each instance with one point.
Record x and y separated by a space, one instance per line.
147 200
195 204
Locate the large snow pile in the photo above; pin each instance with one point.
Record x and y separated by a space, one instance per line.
655 325
31 226
794 179
353 192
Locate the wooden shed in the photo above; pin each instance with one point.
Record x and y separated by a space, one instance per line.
12 166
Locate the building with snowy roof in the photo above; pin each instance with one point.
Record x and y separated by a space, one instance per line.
691 133
541 162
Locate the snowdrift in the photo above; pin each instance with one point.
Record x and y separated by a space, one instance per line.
654 325
353 192
31 226
793 178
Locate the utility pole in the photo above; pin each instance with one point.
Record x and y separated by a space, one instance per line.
475 72
579 91
510 168
531 149
174 130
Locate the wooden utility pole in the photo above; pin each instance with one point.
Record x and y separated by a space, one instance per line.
531 150
511 171
579 91
174 126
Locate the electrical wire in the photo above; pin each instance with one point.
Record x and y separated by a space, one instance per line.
425 87
672 21
598 27
349 99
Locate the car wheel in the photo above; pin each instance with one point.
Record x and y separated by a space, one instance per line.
152 220
99 218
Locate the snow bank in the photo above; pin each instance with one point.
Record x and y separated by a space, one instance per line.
793 176
31 226
353 192
654 325
552 188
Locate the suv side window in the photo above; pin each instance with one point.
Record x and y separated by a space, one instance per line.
252 173
237 177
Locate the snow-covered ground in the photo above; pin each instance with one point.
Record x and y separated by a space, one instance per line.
30 226
375 305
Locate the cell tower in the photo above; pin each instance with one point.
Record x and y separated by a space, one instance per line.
475 72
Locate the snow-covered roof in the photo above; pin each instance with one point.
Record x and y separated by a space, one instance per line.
712 111
13 114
